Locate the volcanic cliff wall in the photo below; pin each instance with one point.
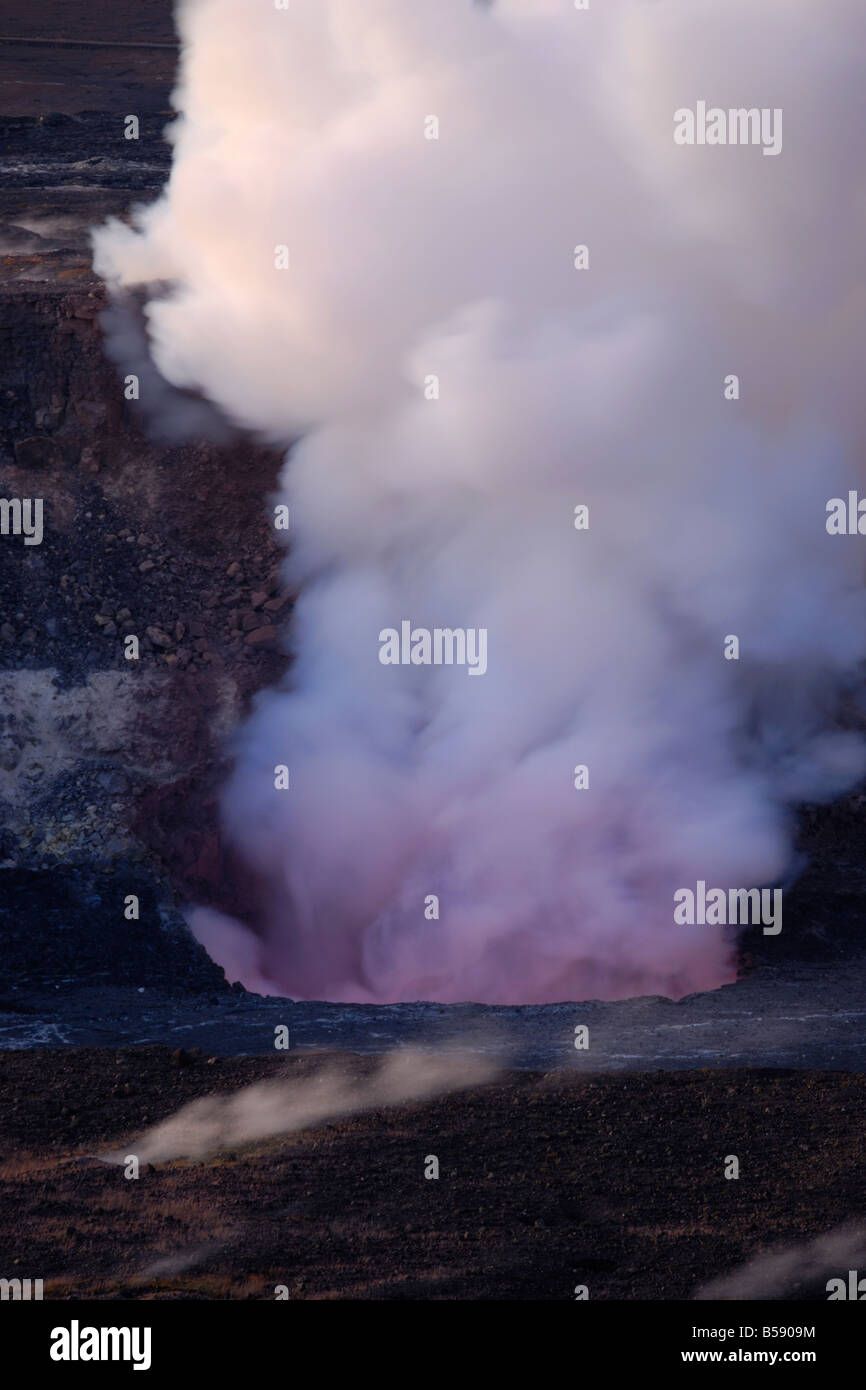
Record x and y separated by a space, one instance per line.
110 767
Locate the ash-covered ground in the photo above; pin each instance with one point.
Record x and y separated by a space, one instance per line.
560 1171
546 1183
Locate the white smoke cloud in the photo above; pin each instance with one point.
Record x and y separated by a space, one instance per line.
268 1109
558 387
784 1271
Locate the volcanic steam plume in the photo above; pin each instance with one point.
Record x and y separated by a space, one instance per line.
562 313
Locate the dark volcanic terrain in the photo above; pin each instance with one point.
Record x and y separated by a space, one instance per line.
546 1182
109 768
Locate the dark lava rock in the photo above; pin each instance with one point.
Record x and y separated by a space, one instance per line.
38 452
69 925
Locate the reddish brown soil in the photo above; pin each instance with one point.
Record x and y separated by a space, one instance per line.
546 1182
